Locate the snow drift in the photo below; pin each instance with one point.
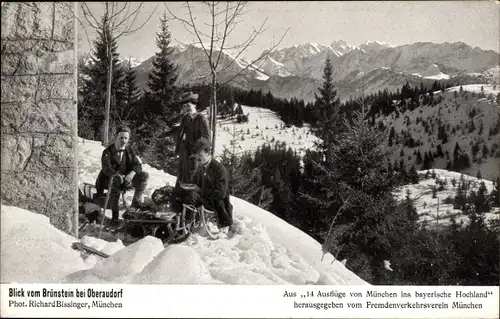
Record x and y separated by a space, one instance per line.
34 251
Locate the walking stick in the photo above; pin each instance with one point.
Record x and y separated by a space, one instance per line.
110 185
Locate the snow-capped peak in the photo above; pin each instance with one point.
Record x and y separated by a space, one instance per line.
371 45
380 43
340 47
132 61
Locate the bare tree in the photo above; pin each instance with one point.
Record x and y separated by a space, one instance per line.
118 19
213 37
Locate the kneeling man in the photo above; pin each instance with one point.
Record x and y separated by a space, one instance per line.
212 181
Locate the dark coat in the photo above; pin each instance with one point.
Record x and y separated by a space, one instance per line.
214 184
190 130
111 165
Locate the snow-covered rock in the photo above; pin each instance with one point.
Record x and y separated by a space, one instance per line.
434 73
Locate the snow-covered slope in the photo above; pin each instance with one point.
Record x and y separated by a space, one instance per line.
476 88
434 73
263 250
435 211
263 126
455 112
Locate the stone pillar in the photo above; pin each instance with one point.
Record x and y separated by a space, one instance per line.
38 108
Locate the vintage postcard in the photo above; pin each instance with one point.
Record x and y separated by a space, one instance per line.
336 159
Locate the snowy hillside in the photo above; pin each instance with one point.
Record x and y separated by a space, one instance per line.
470 119
263 250
434 73
436 211
476 88
263 126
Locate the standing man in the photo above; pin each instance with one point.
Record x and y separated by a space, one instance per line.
193 126
119 158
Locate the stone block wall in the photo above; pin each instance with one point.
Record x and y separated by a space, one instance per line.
38 110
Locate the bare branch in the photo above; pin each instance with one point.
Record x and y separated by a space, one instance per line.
262 56
82 25
224 36
195 29
129 29
88 13
212 66
195 67
246 44
115 15
125 19
175 17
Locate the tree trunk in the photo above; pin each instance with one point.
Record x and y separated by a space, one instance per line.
213 119
105 140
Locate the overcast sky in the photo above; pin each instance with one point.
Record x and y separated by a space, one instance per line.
474 22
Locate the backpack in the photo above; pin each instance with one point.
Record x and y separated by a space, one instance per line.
162 195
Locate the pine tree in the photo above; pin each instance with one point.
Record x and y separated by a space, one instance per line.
228 105
419 157
427 162
245 179
364 225
129 96
391 136
480 200
327 107
160 109
495 193
457 158
94 84
161 80
461 194
439 151
413 175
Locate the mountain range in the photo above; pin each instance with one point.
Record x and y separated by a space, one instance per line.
297 71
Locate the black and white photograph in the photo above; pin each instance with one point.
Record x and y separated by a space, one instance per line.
336 143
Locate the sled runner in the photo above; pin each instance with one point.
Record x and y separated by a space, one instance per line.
169 226
81 247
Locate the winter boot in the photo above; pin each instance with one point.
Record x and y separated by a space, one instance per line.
138 200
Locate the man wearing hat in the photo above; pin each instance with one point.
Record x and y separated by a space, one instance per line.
212 185
193 125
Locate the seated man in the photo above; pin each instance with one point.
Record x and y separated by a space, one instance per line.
212 185
119 158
